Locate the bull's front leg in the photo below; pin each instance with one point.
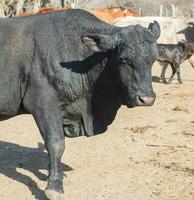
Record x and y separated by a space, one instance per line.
52 133
47 117
179 75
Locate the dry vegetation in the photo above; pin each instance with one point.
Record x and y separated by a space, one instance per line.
150 7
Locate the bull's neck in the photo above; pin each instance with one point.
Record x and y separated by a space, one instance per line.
95 72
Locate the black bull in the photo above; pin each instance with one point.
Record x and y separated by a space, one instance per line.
72 72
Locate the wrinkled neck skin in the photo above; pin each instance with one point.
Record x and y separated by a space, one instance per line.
90 94
95 107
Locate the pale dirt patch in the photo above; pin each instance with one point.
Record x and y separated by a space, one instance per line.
147 153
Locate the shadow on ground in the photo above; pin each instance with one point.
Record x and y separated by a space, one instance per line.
14 156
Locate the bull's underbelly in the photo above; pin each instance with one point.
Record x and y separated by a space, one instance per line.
164 59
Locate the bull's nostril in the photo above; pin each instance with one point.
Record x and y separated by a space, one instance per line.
141 99
144 101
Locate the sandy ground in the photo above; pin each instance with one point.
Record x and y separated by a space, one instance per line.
147 153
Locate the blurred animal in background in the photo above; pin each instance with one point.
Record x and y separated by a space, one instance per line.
174 54
110 14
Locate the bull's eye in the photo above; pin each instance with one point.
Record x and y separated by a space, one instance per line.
124 61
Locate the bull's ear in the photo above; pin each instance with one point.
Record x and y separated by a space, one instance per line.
155 29
181 43
100 42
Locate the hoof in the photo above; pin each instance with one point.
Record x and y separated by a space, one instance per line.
165 82
169 82
53 195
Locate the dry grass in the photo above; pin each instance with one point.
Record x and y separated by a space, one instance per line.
141 129
179 108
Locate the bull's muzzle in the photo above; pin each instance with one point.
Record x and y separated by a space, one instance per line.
145 101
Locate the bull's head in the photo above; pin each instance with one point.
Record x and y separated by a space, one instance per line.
133 50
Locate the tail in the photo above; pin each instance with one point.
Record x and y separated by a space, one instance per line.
191 62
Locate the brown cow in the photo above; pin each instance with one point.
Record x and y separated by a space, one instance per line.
109 15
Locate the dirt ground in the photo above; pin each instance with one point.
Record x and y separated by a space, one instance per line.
146 154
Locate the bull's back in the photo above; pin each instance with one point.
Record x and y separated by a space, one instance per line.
50 39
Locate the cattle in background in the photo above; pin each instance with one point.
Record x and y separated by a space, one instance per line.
190 22
173 30
110 14
183 30
72 72
107 15
168 31
174 54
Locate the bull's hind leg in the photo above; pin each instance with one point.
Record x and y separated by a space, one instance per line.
173 73
44 109
176 69
191 61
164 67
